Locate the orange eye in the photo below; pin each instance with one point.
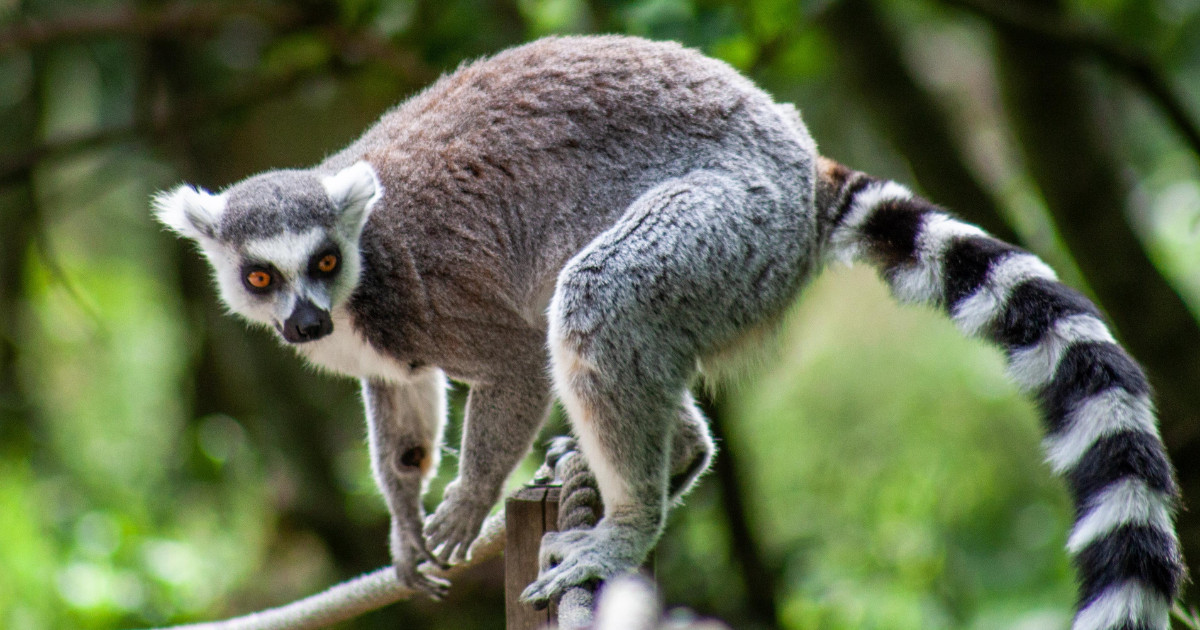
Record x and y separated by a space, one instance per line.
259 279
327 263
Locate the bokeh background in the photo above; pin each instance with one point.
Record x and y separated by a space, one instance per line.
159 462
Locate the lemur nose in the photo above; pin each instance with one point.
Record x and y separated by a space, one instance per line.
308 322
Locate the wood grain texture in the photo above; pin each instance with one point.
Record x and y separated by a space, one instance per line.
529 513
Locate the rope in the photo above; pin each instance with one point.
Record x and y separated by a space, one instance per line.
356 596
627 602
579 507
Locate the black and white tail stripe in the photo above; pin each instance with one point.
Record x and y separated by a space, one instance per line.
1101 432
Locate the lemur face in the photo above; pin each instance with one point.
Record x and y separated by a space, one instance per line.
283 245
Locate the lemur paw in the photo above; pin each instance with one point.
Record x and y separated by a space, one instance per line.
579 558
416 578
450 531
412 559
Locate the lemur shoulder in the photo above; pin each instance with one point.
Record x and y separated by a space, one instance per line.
590 219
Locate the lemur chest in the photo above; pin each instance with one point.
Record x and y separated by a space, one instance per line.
345 351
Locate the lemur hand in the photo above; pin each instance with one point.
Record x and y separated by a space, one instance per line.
412 560
454 526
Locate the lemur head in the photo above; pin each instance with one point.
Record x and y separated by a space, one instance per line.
283 245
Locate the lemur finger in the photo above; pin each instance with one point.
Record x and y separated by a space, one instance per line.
442 551
439 529
453 551
552 583
451 540
415 548
548 558
435 587
433 527
411 576
432 559
556 545
538 593
460 554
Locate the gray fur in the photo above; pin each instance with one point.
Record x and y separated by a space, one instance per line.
275 202
616 209
405 422
492 180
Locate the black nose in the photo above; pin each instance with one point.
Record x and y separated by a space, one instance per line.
308 322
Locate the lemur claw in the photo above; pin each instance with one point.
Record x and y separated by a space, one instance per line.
414 576
412 560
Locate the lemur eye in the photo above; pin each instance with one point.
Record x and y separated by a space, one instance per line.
325 263
258 279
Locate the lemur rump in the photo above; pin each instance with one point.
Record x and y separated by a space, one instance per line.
622 211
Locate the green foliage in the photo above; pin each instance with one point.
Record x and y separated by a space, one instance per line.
913 495
161 464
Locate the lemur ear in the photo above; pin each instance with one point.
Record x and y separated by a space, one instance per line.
190 212
354 190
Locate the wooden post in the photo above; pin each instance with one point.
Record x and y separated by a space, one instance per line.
528 514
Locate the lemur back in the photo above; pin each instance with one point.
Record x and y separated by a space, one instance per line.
513 164
618 211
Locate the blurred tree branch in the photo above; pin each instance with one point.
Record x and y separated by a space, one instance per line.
351 44
127 22
16 168
16 416
907 114
204 19
19 216
761 581
1053 30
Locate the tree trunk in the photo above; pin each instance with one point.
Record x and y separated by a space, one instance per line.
870 59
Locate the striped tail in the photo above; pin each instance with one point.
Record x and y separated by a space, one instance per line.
1101 432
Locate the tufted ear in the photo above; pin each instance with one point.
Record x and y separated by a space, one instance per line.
190 212
354 190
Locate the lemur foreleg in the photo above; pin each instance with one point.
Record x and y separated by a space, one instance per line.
502 417
692 448
404 434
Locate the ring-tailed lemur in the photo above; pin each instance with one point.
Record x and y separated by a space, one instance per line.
624 211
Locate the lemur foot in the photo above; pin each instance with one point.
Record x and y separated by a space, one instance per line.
578 557
450 531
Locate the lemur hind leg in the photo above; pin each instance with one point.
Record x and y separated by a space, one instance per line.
690 264
692 449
